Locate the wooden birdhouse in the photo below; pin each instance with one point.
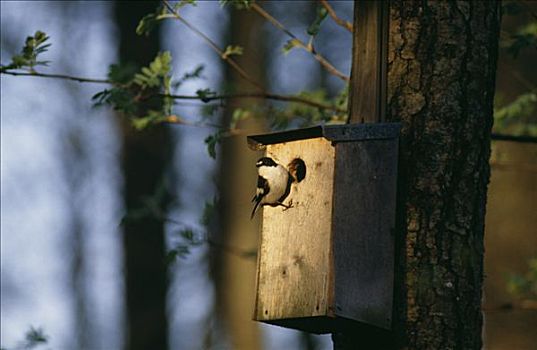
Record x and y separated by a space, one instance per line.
327 261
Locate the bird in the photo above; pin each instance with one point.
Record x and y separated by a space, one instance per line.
273 184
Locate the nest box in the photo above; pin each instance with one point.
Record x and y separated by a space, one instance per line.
327 262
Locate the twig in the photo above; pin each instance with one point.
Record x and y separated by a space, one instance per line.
58 76
265 95
345 24
309 48
241 253
226 132
215 47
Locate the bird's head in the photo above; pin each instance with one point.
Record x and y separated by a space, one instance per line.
265 161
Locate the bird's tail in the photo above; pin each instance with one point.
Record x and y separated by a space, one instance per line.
255 208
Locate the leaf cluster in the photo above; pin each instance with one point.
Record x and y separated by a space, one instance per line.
524 286
28 58
140 95
524 38
189 239
518 117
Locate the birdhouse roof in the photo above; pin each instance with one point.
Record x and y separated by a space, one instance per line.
334 133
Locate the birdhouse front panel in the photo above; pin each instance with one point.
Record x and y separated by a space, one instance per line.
326 255
294 257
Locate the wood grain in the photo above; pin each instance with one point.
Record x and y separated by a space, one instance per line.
367 92
294 257
363 224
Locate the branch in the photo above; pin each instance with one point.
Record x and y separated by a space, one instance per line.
215 47
309 48
261 95
58 76
345 24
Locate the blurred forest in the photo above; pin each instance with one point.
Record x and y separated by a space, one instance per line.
120 234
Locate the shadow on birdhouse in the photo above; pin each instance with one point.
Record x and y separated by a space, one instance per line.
327 262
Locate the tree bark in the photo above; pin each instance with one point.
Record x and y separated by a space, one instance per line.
441 78
146 155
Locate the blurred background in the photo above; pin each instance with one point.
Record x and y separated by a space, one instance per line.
85 266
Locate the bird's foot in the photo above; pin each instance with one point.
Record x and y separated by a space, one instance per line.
287 206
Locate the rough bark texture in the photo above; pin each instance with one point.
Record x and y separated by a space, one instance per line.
145 159
441 74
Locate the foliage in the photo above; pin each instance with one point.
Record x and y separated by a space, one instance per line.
183 249
518 117
33 338
27 59
315 27
232 50
524 286
144 95
133 92
525 37
194 74
212 141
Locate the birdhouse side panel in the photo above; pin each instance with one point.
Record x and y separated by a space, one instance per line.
294 256
364 219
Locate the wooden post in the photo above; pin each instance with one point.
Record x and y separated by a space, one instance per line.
367 90
367 104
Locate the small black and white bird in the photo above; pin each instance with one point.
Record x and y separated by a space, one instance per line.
273 184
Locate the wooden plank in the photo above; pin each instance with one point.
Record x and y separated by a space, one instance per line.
294 255
367 91
363 224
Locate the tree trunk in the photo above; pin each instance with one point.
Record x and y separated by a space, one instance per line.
441 78
234 274
145 158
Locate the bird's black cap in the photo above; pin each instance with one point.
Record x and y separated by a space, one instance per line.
265 161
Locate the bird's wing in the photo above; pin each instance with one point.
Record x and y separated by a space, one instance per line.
262 190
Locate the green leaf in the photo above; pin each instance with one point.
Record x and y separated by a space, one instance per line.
121 99
194 74
205 94
156 73
211 141
238 115
35 337
170 257
183 3
208 212
187 234
291 43
232 50
121 73
517 117
147 24
142 123
153 117
314 28
526 37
